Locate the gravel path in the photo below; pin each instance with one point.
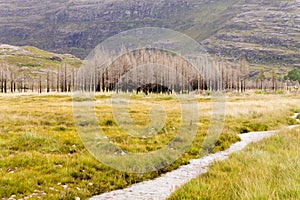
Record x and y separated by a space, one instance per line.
162 187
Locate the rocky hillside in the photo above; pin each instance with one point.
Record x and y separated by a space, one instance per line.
266 31
78 26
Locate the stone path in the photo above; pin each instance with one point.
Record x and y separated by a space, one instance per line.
162 187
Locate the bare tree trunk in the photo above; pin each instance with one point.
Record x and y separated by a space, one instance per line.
5 84
2 82
48 82
58 80
65 79
11 82
40 84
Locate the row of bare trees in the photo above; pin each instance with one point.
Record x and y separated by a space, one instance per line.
140 67
135 69
14 79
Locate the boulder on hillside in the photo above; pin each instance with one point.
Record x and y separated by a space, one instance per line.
55 58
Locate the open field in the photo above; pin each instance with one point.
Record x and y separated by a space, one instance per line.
41 153
265 170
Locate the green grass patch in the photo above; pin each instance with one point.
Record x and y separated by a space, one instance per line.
267 170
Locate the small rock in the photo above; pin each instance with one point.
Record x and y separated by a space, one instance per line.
55 58
77 198
90 184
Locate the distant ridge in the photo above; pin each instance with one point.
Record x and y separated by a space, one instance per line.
266 32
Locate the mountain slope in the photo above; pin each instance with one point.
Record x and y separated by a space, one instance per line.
78 26
265 31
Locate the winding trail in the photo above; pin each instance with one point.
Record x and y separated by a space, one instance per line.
162 187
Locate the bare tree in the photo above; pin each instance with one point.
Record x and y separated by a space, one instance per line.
262 78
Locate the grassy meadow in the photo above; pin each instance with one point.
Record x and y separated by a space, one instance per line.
42 156
266 170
